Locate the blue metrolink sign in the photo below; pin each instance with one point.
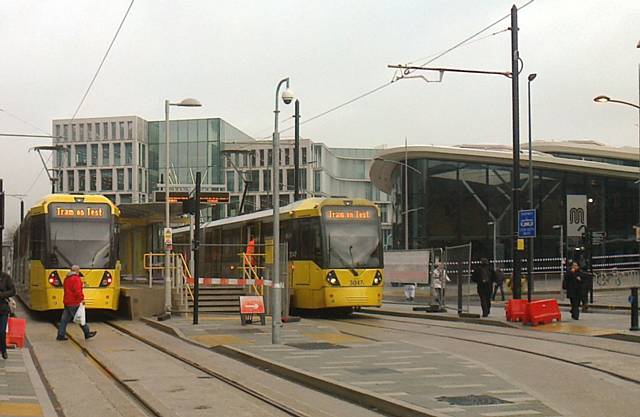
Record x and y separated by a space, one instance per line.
527 223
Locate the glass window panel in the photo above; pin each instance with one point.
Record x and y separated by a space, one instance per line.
254 178
94 154
81 132
120 179
129 130
183 131
269 157
202 130
81 180
129 179
265 201
92 180
143 152
106 158
98 131
116 154
183 155
122 135
125 198
128 154
261 157
70 181
81 155
230 181
286 156
65 131
304 156
106 180
266 180
73 132
90 131
113 130
192 127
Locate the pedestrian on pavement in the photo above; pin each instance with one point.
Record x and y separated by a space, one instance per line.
439 282
7 289
573 283
410 291
484 277
73 298
499 284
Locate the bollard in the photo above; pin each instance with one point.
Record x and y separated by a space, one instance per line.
633 299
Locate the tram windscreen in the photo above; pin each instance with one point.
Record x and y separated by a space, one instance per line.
352 237
81 237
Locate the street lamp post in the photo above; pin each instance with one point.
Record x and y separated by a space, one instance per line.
406 193
187 102
606 99
561 227
276 300
530 78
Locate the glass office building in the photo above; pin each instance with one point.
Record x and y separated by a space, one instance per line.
456 193
195 145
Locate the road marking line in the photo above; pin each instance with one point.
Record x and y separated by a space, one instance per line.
506 391
426 368
449 410
394 394
391 363
373 383
396 351
462 386
442 375
512 413
407 357
20 409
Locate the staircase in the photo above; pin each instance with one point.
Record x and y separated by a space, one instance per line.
219 299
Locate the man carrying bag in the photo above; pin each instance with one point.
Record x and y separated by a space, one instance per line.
73 304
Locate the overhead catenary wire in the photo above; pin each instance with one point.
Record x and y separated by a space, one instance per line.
93 80
430 59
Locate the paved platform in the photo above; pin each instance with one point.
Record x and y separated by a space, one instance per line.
596 322
433 380
22 392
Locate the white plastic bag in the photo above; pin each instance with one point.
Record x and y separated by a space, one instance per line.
80 316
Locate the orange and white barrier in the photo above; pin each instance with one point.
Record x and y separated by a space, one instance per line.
231 281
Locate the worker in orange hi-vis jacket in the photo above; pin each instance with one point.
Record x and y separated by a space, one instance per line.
251 249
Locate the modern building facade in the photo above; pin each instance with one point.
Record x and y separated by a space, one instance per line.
323 172
124 159
107 155
457 194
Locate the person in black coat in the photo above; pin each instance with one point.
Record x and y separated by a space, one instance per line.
484 277
7 289
574 281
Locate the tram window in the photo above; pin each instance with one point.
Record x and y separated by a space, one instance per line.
310 241
37 244
289 233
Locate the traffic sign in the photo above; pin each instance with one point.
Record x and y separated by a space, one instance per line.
168 236
527 223
252 304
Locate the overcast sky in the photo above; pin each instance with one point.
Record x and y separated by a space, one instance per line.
230 55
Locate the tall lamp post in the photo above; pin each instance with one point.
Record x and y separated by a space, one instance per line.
406 194
561 227
187 102
530 78
276 299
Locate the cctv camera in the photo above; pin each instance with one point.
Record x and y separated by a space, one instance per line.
287 96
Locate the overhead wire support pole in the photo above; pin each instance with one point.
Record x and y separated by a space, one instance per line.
407 68
515 106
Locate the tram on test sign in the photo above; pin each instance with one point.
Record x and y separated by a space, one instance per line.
335 256
64 230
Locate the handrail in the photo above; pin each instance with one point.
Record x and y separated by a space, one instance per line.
250 271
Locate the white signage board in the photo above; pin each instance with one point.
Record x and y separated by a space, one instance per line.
576 214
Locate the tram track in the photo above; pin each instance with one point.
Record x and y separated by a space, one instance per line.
501 333
564 360
220 377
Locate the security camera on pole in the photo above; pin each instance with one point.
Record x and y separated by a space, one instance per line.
276 298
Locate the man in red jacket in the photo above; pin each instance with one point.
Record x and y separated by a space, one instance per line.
73 297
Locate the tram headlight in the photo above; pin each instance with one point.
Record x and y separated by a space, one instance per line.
107 279
332 278
377 280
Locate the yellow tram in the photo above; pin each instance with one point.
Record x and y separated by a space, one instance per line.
64 230
335 256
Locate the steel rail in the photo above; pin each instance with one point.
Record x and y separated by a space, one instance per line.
247 390
516 349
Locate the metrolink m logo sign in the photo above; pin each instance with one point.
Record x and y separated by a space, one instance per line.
576 214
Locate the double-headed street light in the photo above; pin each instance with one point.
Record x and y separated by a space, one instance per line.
276 299
406 195
187 102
